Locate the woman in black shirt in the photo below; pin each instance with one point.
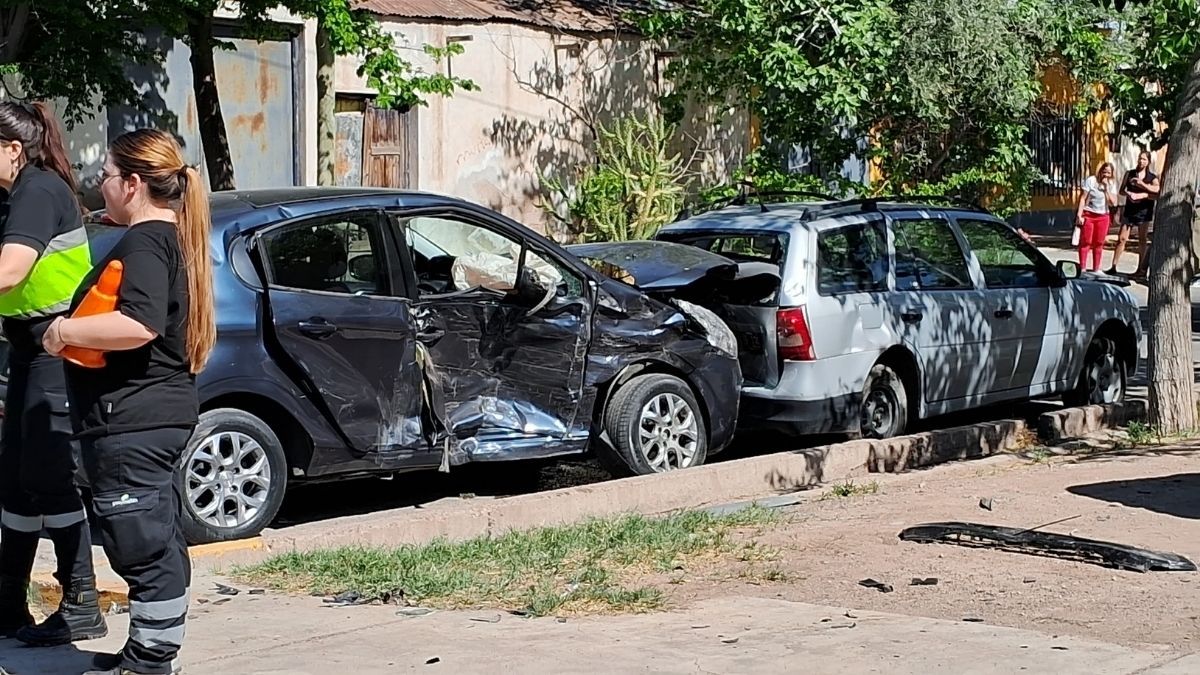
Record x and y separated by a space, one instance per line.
1140 189
136 414
43 256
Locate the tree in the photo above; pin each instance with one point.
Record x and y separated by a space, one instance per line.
944 89
192 22
1165 81
76 51
1164 36
1172 266
344 31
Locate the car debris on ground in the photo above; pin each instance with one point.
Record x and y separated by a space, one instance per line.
1035 542
878 585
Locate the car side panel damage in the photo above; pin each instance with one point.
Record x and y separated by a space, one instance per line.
1049 544
510 377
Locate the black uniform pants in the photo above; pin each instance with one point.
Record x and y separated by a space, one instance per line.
38 467
138 509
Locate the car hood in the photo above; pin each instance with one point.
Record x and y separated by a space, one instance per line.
666 267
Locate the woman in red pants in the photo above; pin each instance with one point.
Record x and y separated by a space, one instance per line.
1093 217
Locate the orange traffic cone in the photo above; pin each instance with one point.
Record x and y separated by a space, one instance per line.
100 299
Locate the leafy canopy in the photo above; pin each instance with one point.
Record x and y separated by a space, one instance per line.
944 89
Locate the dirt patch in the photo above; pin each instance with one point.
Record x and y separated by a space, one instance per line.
1148 498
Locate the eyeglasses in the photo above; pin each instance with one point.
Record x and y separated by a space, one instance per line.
104 176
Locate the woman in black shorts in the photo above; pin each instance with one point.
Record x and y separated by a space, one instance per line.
1140 189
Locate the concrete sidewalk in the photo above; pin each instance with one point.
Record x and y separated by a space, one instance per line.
260 635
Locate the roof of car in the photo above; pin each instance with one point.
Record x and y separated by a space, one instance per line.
291 195
785 217
777 218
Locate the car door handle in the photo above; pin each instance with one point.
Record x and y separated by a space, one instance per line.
317 328
1003 314
911 317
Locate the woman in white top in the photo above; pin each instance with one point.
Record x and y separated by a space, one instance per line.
1093 217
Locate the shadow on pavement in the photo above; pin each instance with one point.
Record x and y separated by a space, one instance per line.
1175 495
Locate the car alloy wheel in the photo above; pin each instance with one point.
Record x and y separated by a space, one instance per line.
227 479
668 433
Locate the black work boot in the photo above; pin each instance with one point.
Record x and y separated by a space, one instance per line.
14 606
78 618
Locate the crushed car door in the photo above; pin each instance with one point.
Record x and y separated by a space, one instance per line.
506 328
338 312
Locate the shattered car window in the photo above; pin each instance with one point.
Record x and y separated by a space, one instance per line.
450 255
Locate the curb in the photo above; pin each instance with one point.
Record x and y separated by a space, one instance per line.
653 495
113 593
1061 425
702 487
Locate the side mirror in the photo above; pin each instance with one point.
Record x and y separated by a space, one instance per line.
1069 269
362 268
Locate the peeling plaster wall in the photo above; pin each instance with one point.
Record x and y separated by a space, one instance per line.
493 146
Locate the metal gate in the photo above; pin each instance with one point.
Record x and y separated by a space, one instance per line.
385 148
1060 152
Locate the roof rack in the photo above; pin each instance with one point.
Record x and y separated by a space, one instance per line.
872 203
744 195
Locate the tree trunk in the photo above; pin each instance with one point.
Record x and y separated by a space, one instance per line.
14 23
213 137
326 106
1172 265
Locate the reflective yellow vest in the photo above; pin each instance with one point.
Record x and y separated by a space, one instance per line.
53 280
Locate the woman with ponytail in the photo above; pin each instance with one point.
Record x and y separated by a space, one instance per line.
136 414
43 257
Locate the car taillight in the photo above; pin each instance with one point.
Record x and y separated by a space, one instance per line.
794 338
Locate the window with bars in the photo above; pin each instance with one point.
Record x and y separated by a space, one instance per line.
1059 152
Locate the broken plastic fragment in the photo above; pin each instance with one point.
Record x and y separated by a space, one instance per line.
928 581
878 585
1049 544
222 589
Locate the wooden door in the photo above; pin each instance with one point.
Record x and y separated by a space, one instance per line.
385 148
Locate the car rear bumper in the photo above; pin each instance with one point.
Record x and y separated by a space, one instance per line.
821 396
838 414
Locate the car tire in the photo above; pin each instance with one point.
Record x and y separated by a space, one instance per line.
653 424
883 412
236 461
1103 378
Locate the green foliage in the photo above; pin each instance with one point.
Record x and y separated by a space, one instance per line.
636 186
943 88
1165 39
76 51
399 83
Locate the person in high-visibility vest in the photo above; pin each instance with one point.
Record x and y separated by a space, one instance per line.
44 257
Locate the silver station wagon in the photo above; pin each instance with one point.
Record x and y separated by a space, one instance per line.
887 312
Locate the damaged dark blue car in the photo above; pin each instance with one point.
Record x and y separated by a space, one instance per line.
377 332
